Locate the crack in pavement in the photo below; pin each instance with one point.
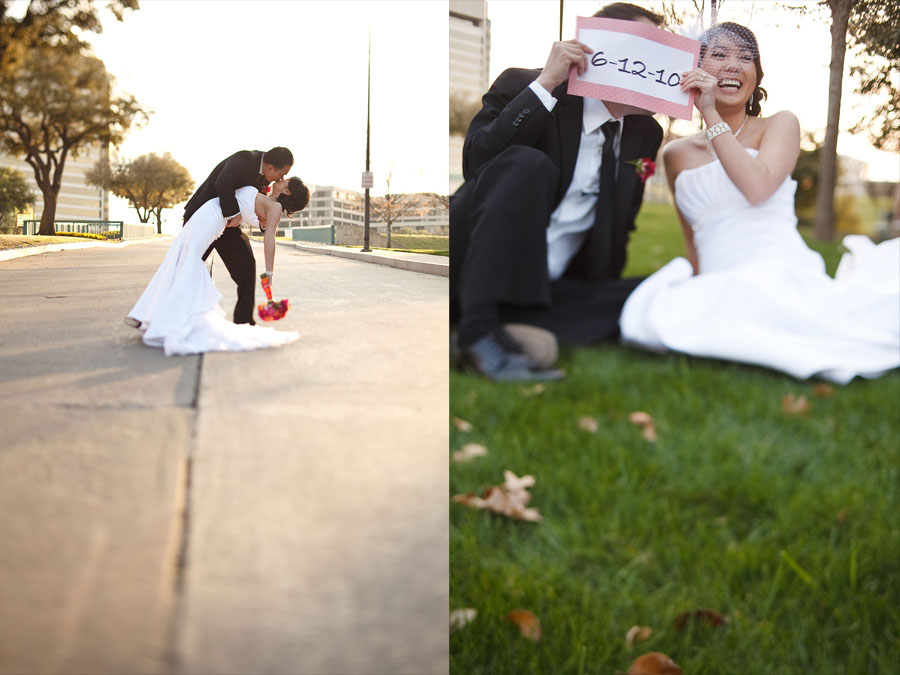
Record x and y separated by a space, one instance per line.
181 557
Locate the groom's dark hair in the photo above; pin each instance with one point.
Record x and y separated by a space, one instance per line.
297 200
628 12
278 157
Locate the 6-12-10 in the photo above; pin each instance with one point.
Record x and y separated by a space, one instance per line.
639 69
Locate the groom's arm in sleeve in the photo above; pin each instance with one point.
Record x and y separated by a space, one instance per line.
232 178
511 114
518 107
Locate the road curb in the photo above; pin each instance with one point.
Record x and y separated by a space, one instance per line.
413 262
23 251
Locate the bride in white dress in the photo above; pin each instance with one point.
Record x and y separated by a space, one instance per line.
750 289
179 310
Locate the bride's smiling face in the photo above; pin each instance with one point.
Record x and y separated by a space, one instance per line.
731 62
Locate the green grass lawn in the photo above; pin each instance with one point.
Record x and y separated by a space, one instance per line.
429 251
431 242
788 525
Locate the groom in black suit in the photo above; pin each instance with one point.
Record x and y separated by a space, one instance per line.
247 167
536 236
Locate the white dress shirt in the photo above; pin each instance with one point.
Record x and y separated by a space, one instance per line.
574 216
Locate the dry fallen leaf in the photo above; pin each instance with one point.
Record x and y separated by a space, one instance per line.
638 634
795 405
510 499
460 617
528 623
654 663
642 419
461 424
710 616
469 452
588 424
823 390
533 391
513 482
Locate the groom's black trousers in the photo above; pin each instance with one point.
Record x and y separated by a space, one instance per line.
233 246
498 253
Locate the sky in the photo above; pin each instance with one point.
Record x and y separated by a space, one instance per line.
228 75
795 51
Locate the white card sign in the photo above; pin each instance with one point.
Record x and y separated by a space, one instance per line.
636 64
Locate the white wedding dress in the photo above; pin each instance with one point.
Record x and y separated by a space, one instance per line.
179 310
762 296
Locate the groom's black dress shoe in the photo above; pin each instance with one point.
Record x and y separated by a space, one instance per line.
497 357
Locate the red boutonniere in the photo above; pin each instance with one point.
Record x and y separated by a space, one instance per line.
644 166
267 189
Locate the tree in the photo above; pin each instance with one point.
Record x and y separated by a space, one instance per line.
56 104
391 207
150 183
823 225
439 200
875 30
15 196
462 110
50 22
676 12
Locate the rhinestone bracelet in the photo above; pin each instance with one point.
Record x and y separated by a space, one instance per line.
716 130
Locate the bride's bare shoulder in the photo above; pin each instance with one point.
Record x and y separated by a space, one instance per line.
783 121
781 117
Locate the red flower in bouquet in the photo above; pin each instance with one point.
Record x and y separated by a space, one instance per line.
644 166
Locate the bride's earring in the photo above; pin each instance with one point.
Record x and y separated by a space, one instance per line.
751 100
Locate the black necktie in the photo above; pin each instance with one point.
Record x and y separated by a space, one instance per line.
601 236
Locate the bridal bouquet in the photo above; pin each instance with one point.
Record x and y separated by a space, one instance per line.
271 310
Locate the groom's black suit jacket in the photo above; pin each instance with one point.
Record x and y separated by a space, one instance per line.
233 173
512 114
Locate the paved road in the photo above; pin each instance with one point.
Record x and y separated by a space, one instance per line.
280 511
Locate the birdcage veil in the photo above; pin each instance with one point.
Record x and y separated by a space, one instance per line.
728 47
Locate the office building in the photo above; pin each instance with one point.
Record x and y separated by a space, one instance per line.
77 200
330 205
470 64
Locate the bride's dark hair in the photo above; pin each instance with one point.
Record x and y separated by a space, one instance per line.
297 200
745 37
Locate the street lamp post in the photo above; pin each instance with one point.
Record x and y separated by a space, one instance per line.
560 18
367 176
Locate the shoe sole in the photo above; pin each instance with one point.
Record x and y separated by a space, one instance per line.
465 365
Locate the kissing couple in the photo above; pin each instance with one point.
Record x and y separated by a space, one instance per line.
179 310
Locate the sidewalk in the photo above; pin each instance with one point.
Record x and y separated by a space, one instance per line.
413 262
23 251
280 511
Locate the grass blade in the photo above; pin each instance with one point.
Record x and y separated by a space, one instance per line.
802 573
